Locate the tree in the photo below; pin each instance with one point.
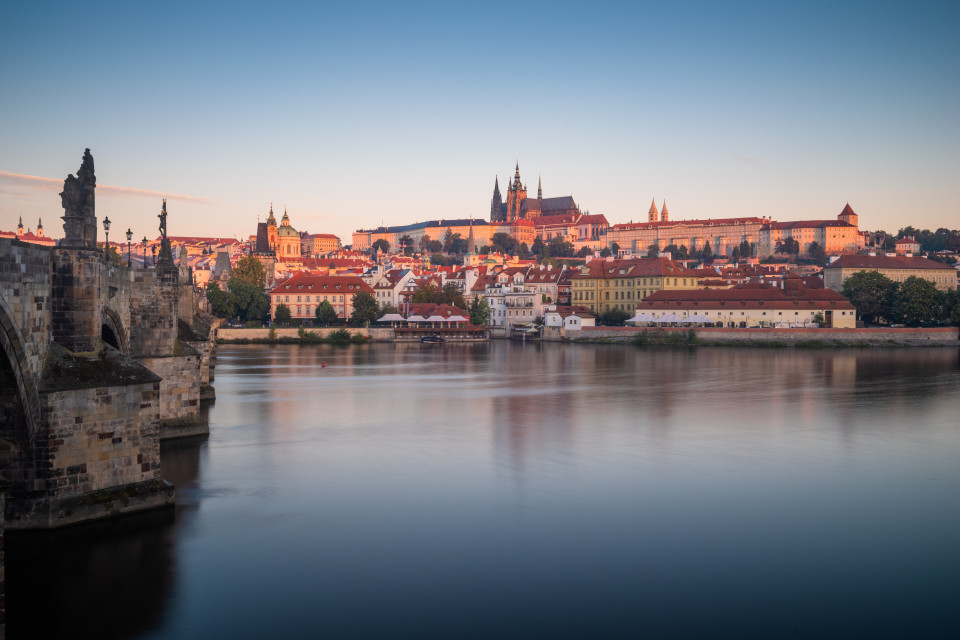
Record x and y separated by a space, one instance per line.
818 253
479 311
424 239
735 254
434 246
746 249
584 252
451 294
614 248
326 314
523 251
221 302
787 246
918 302
251 270
388 308
559 248
113 255
250 302
538 248
605 252
503 242
677 253
281 314
707 252
382 245
429 293
484 250
653 250
365 308
613 317
407 243
871 293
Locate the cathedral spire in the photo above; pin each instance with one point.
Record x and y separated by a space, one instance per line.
539 188
664 215
653 215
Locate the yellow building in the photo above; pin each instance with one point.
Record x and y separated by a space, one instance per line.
897 268
605 284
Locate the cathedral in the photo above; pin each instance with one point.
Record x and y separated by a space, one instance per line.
519 207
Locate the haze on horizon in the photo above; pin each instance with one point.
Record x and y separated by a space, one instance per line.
353 115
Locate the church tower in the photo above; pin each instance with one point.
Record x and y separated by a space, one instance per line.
516 194
653 215
272 230
496 204
664 215
20 227
539 188
39 227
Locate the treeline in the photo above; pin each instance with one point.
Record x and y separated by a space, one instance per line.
915 302
930 241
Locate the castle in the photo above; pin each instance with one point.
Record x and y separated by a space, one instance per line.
519 207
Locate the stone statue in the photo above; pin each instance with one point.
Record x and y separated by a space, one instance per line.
79 206
166 253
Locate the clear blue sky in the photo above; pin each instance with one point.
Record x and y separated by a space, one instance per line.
353 114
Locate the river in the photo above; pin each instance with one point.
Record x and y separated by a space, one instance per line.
519 490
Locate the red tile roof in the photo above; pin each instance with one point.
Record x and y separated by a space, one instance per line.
885 262
317 284
634 268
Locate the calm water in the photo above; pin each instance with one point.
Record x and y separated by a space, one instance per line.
509 490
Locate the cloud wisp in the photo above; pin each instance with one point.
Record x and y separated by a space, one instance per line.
53 184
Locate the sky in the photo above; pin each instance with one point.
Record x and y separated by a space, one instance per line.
356 114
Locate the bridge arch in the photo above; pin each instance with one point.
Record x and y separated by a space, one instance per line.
20 428
113 332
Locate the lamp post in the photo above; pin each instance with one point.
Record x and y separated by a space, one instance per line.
129 238
106 240
153 250
144 244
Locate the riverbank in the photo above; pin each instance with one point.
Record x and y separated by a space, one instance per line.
721 336
705 336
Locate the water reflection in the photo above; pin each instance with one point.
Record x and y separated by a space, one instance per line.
561 490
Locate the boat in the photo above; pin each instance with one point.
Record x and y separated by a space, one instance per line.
433 339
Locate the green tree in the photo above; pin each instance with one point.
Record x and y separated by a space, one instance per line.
479 311
365 308
605 252
113 255
613 318
615 248
871 293
503 242
523 251
381 245
951 306
559 248
918 302
326 314
818 253
407 243
454 243
653 250
746 249
388 308
539 249
735 254
427 294
221 302
584 252
281 314
451 294
250 302
250 269
434 246
424 239
707 252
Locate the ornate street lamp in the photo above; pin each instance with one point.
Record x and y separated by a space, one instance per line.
129 239
106 240
144 244
153 250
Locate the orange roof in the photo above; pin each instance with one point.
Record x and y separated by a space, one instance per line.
310 283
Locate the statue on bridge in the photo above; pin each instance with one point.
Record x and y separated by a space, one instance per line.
166 253
79 206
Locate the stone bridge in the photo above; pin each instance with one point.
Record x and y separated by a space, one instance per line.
98 362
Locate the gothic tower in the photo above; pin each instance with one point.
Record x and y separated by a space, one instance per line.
272 230
516 194
496 204
664 215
